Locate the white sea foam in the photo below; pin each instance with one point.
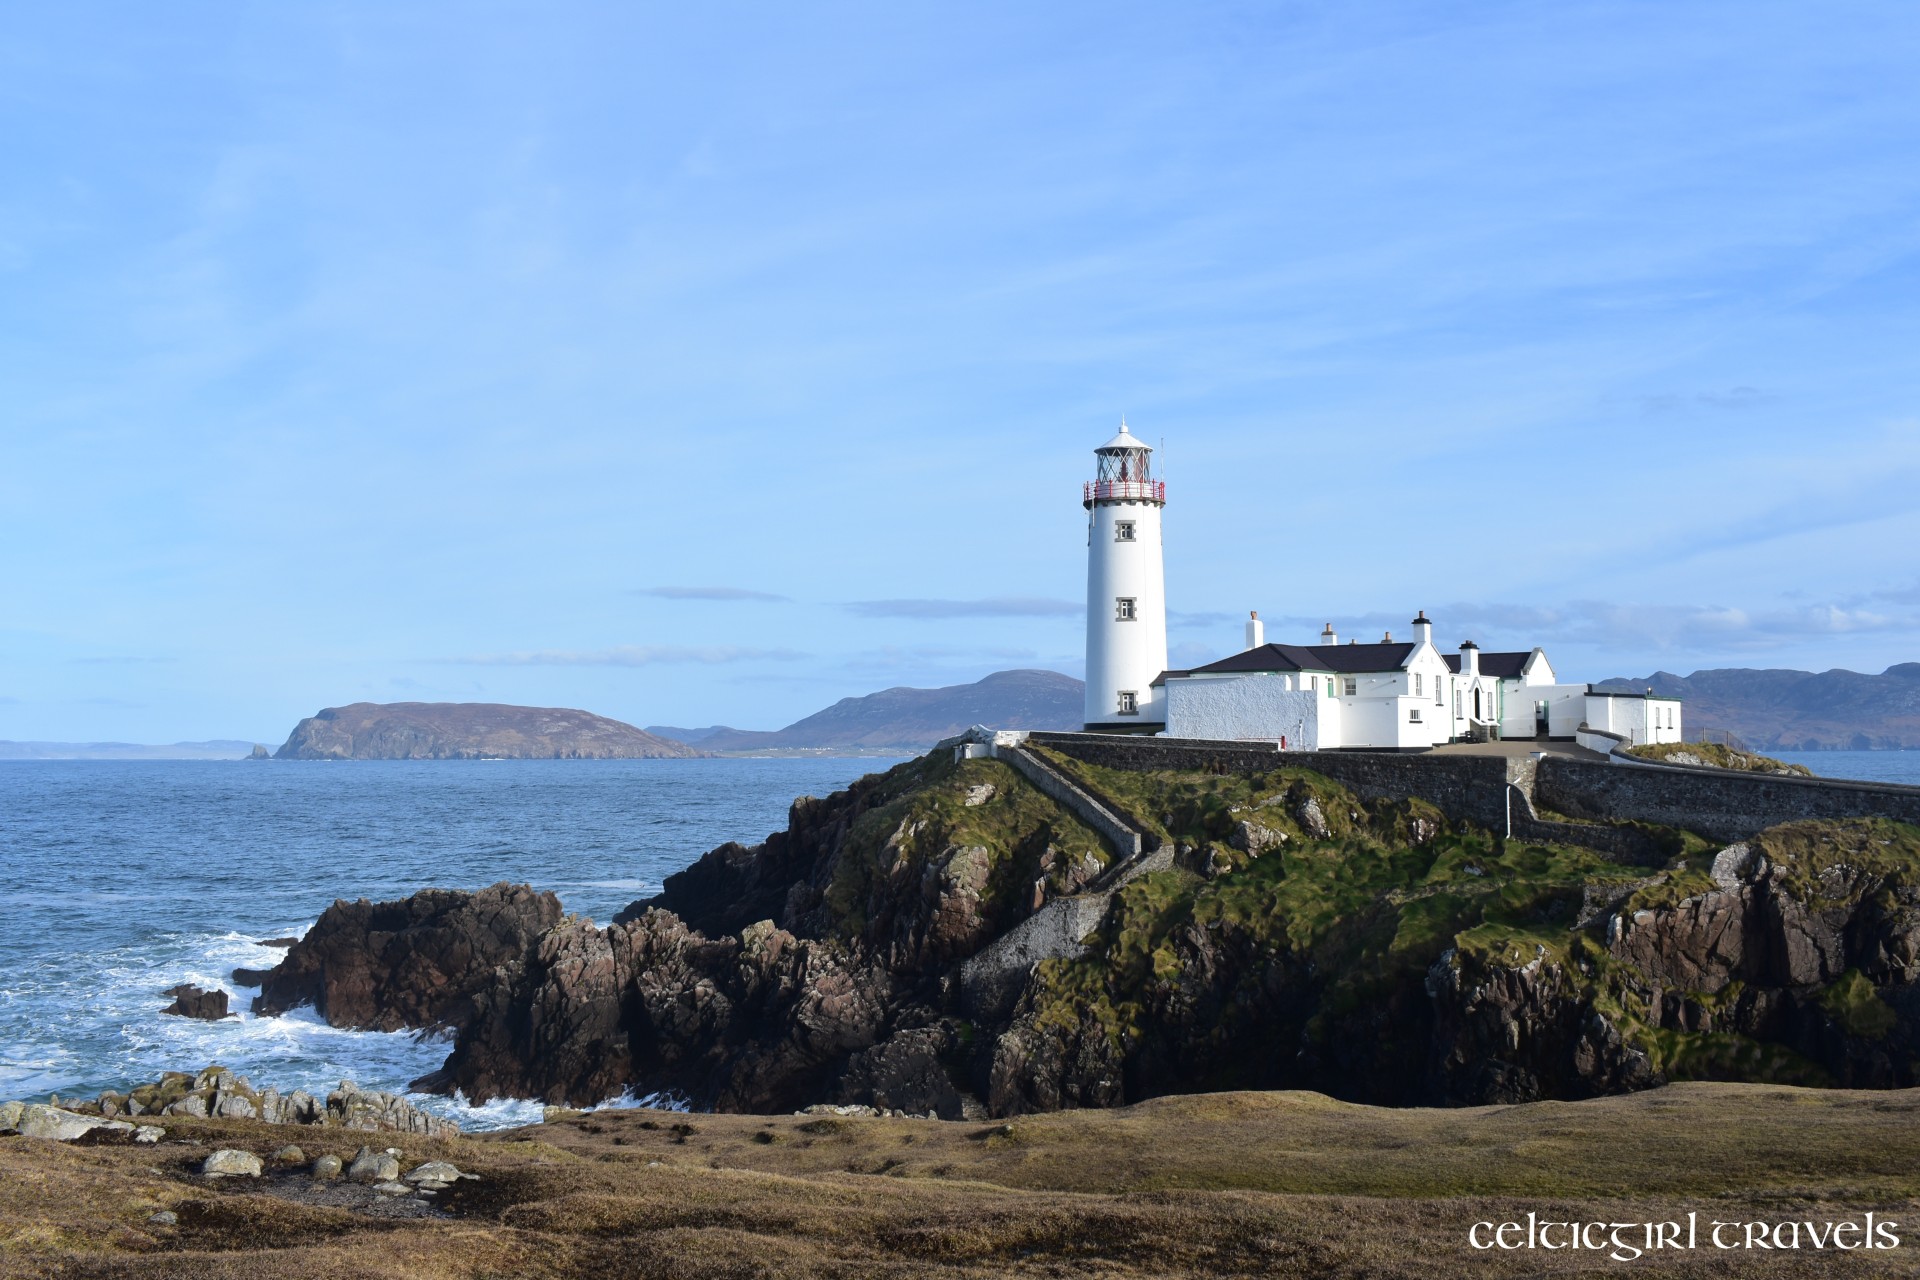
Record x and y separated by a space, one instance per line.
135 877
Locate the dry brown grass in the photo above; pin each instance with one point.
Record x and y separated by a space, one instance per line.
1266 1184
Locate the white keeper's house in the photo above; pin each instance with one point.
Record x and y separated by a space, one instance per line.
1391 695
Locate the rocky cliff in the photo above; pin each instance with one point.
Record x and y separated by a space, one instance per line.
1302 938
469 731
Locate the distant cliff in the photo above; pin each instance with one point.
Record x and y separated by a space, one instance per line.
1777 710
469 731
911 719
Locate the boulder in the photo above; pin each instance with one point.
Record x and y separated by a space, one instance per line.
436 1173
38 1120
10 1115
190 1001
164 1218
326 1168
289 1154
229 1163
148 1134
374 1166
244 977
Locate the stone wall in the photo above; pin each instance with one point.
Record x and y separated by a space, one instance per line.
1126 840
1717 803
1490 791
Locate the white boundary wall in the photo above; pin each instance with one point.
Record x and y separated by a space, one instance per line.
1244 708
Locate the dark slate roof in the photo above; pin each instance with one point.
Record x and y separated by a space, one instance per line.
1344 658
1501 666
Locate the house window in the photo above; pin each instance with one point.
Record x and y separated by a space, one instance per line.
1414 715
1123 531
1352 685
1456 704
1126 609
1129 703
1416 684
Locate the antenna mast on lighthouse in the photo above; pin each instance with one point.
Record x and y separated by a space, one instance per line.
1126 589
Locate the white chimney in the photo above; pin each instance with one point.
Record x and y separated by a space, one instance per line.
1256 630
1327 636
1422 629
1470 661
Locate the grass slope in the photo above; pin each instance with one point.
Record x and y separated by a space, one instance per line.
1272 1185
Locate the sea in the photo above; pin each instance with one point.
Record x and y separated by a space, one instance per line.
120 879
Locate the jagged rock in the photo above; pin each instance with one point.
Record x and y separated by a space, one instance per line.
228 1163
235 1107
191 1105
148 1134
1307 813
1252 839
190 1001
413 963
10 1113
978 795
244 977
905 1072
164 1218
39 1120
374 1166
352 1107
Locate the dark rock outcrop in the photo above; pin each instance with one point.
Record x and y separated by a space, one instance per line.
469 731
1368 949
190 1001
414 963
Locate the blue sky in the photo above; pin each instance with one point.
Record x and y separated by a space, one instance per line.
700 364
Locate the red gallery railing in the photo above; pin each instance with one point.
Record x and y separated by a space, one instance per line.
1123 490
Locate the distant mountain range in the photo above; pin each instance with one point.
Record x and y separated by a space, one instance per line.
1773 710
469 731
218 749
902 719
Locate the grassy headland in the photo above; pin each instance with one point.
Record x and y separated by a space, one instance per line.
1234 1184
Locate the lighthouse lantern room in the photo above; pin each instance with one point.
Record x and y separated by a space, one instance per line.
1126 589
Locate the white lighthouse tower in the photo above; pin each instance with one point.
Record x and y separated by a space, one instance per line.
1126 590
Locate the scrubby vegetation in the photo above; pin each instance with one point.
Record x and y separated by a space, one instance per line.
1008 835
1715 755
1295 940
1267 1185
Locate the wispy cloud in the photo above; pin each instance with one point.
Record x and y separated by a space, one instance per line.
992 607
119 660
1685 402
710 593
631 655
1608 624
1203 617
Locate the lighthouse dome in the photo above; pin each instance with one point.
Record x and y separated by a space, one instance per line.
1124 440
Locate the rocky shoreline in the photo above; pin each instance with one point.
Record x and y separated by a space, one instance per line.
1302 938
217 1093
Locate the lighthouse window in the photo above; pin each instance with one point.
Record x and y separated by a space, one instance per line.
1123 531
1126 608
1129 703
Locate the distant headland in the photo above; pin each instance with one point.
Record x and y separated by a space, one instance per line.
470 731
